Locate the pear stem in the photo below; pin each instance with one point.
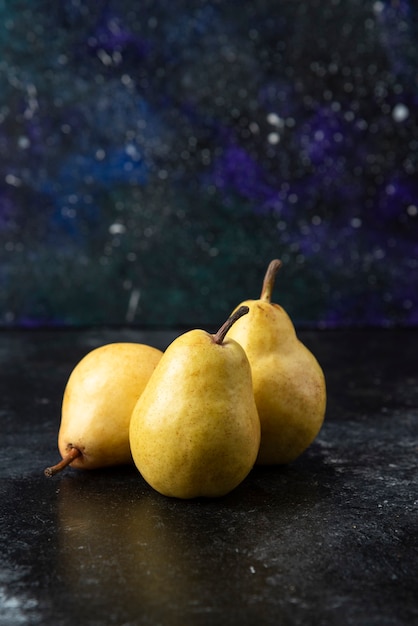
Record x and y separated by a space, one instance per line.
220 335
269 278
72 454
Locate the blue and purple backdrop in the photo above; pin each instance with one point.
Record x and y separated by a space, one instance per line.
155 156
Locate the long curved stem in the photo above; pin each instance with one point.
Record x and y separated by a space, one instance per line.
269 278
220 335
72 454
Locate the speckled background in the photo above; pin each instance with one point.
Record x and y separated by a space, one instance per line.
154 156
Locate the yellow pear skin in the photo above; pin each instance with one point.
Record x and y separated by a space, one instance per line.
195 430
289 384
99 397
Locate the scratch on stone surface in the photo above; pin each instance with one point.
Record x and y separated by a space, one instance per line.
133 305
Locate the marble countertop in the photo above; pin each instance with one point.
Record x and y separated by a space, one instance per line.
329 540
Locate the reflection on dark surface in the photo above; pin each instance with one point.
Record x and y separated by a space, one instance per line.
157 557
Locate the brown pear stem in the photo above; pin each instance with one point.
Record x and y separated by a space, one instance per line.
72 454
269 278
220 335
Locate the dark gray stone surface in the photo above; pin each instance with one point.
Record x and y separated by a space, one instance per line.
330 539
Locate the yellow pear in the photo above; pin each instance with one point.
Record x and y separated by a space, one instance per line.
195 430
98 400
289 384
